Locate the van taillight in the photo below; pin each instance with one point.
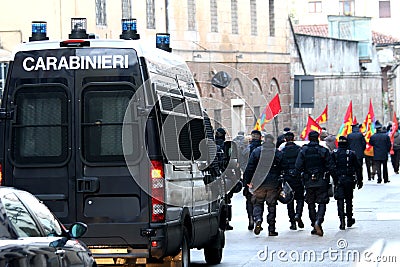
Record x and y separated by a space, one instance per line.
1 174
157 191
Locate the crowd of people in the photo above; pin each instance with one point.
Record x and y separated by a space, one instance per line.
265 164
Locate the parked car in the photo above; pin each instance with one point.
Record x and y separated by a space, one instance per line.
30 235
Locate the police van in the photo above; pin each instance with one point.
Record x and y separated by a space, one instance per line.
113 133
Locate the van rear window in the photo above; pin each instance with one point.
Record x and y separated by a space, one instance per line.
40 131
104 110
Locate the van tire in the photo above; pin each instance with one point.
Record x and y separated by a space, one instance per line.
185 250
213 253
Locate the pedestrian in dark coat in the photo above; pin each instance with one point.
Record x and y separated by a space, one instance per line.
348 174
314 161
395 157
330 141
289 156
381 143
263 175
357 143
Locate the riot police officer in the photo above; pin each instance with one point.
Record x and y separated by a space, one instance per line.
348 173
263 174
254 143
313 162
289 156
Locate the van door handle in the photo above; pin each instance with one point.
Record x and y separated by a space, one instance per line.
88 185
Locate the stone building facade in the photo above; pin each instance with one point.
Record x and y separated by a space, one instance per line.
248 39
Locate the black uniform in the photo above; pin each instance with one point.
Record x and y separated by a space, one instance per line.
249 204
289 156
348 173
263 172
314 161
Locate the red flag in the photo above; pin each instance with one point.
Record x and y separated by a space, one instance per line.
395 127
323 117
368 128
312 125
354 120
346 128
270 111
320 119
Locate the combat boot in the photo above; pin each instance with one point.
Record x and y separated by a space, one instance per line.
258 228
342 224
318 228
350 221
272 233
300 223
251 224
293 225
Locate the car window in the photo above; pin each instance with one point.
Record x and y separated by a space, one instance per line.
49 223
4 229
19 216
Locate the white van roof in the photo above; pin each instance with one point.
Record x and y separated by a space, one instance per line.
143 49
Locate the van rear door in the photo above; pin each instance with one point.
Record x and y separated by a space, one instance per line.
108 197
39 134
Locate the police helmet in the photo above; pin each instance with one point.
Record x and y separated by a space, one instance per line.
286 195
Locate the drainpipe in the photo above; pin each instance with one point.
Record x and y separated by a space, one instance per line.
166 16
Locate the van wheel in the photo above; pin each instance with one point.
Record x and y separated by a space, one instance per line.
185 250
213 255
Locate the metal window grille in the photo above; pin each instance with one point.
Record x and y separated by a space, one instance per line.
126 9
150 12
271 18
234 17
253 16
214 15
101 15
191 15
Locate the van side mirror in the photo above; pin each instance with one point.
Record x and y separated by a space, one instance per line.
77 230
221 80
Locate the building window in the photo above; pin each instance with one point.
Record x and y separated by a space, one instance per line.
234 17
214 15
346 7
191 15
126 9
150 11
271 18
217 118
314 7
253 17
101 15
256 114
384 9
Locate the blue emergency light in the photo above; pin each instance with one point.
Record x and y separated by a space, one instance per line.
78 29
39 31
163 41
129 30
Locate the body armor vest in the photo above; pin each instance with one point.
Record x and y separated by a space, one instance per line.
289 157
342 160
313 160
